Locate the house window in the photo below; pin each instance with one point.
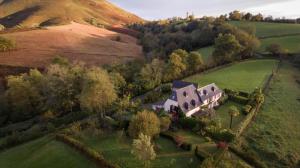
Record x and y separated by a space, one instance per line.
213 89
193 102
205 92
186 105
184 94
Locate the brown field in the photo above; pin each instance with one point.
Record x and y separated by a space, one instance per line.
92 45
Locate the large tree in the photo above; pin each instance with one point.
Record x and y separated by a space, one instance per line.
195 62
226 48
175 68
143 149
235 15
145 122
98 91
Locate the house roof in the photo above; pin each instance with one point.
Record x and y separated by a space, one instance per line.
181 84
209 91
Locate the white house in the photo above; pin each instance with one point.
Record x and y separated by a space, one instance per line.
189 98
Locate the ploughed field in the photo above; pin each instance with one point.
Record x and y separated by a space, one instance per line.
77 42
243 76
274 135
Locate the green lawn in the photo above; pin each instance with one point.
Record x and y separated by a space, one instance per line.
117 149
190 137
264 29
206 53
43 153
244 76
275 134
223 116
291 43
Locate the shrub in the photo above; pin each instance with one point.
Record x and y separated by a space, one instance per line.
231 92
90 153
188 123
223 135
166 88
239 99
244 94
165 123
247 109
152 97
201 155
6 44
2 27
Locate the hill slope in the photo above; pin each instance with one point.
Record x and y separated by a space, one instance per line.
92 45
31 13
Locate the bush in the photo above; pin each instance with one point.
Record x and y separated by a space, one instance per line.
244 94
247 109
6 44
2 27
188 123
152 97
231 92
201 155
90 153
166 88
239 99
223 135
165 123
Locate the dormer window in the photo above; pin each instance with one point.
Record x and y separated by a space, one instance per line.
213 88
205 92
186 105
193 102
185 94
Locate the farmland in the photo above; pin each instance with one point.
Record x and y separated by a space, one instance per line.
244 76
264 29
206 53
274 136
44 152
291 43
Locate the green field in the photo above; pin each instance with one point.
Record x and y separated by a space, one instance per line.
243 76
291 43
117 149
224 117
43 153
264 29
206 53
275 134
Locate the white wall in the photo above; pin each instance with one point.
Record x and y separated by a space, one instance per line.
190 113
168 104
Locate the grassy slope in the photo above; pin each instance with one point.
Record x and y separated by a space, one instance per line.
43 153
264 29
206 53
117 149
34 12
275 133
291 43
244 76
223 116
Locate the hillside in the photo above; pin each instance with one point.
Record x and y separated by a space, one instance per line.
32 13
92 45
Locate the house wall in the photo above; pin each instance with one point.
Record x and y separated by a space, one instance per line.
169 103
190 113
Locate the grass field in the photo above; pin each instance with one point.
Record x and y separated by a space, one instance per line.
117 149
244 76
206 53
264 29
43 153
291 43
274 136
223 116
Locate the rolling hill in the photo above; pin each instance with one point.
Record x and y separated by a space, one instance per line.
33 13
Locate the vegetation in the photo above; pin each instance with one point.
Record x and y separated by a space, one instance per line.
268 137
144 122
143 149
233 112
44 152
288 44
6 44
244 76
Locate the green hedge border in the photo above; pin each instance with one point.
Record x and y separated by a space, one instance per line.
88 152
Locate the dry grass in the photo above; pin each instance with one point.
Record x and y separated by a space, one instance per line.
92 45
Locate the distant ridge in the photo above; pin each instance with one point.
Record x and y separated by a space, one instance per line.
33 13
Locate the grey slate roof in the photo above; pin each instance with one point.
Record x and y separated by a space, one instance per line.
182 84
211 90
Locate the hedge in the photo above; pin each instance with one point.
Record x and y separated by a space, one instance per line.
249 158
201 155
88 152
239 99
188 123
185 145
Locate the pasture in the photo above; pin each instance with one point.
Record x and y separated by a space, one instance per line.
264 29
206 53
274 135
291 43
243 76
45 153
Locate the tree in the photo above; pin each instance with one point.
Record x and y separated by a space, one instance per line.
98 92
195 62
2 27
118 81
235 15
247 16
144 122
259 17
151 74
143 149
165 123
275 49
175 67
226 48
6 44
233 112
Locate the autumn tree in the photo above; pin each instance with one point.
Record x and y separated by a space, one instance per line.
143 149
98 91
235 15
151 74
233 112
275 49
226 48
118 81
145 122
165 123
195 62
6 44
175 67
